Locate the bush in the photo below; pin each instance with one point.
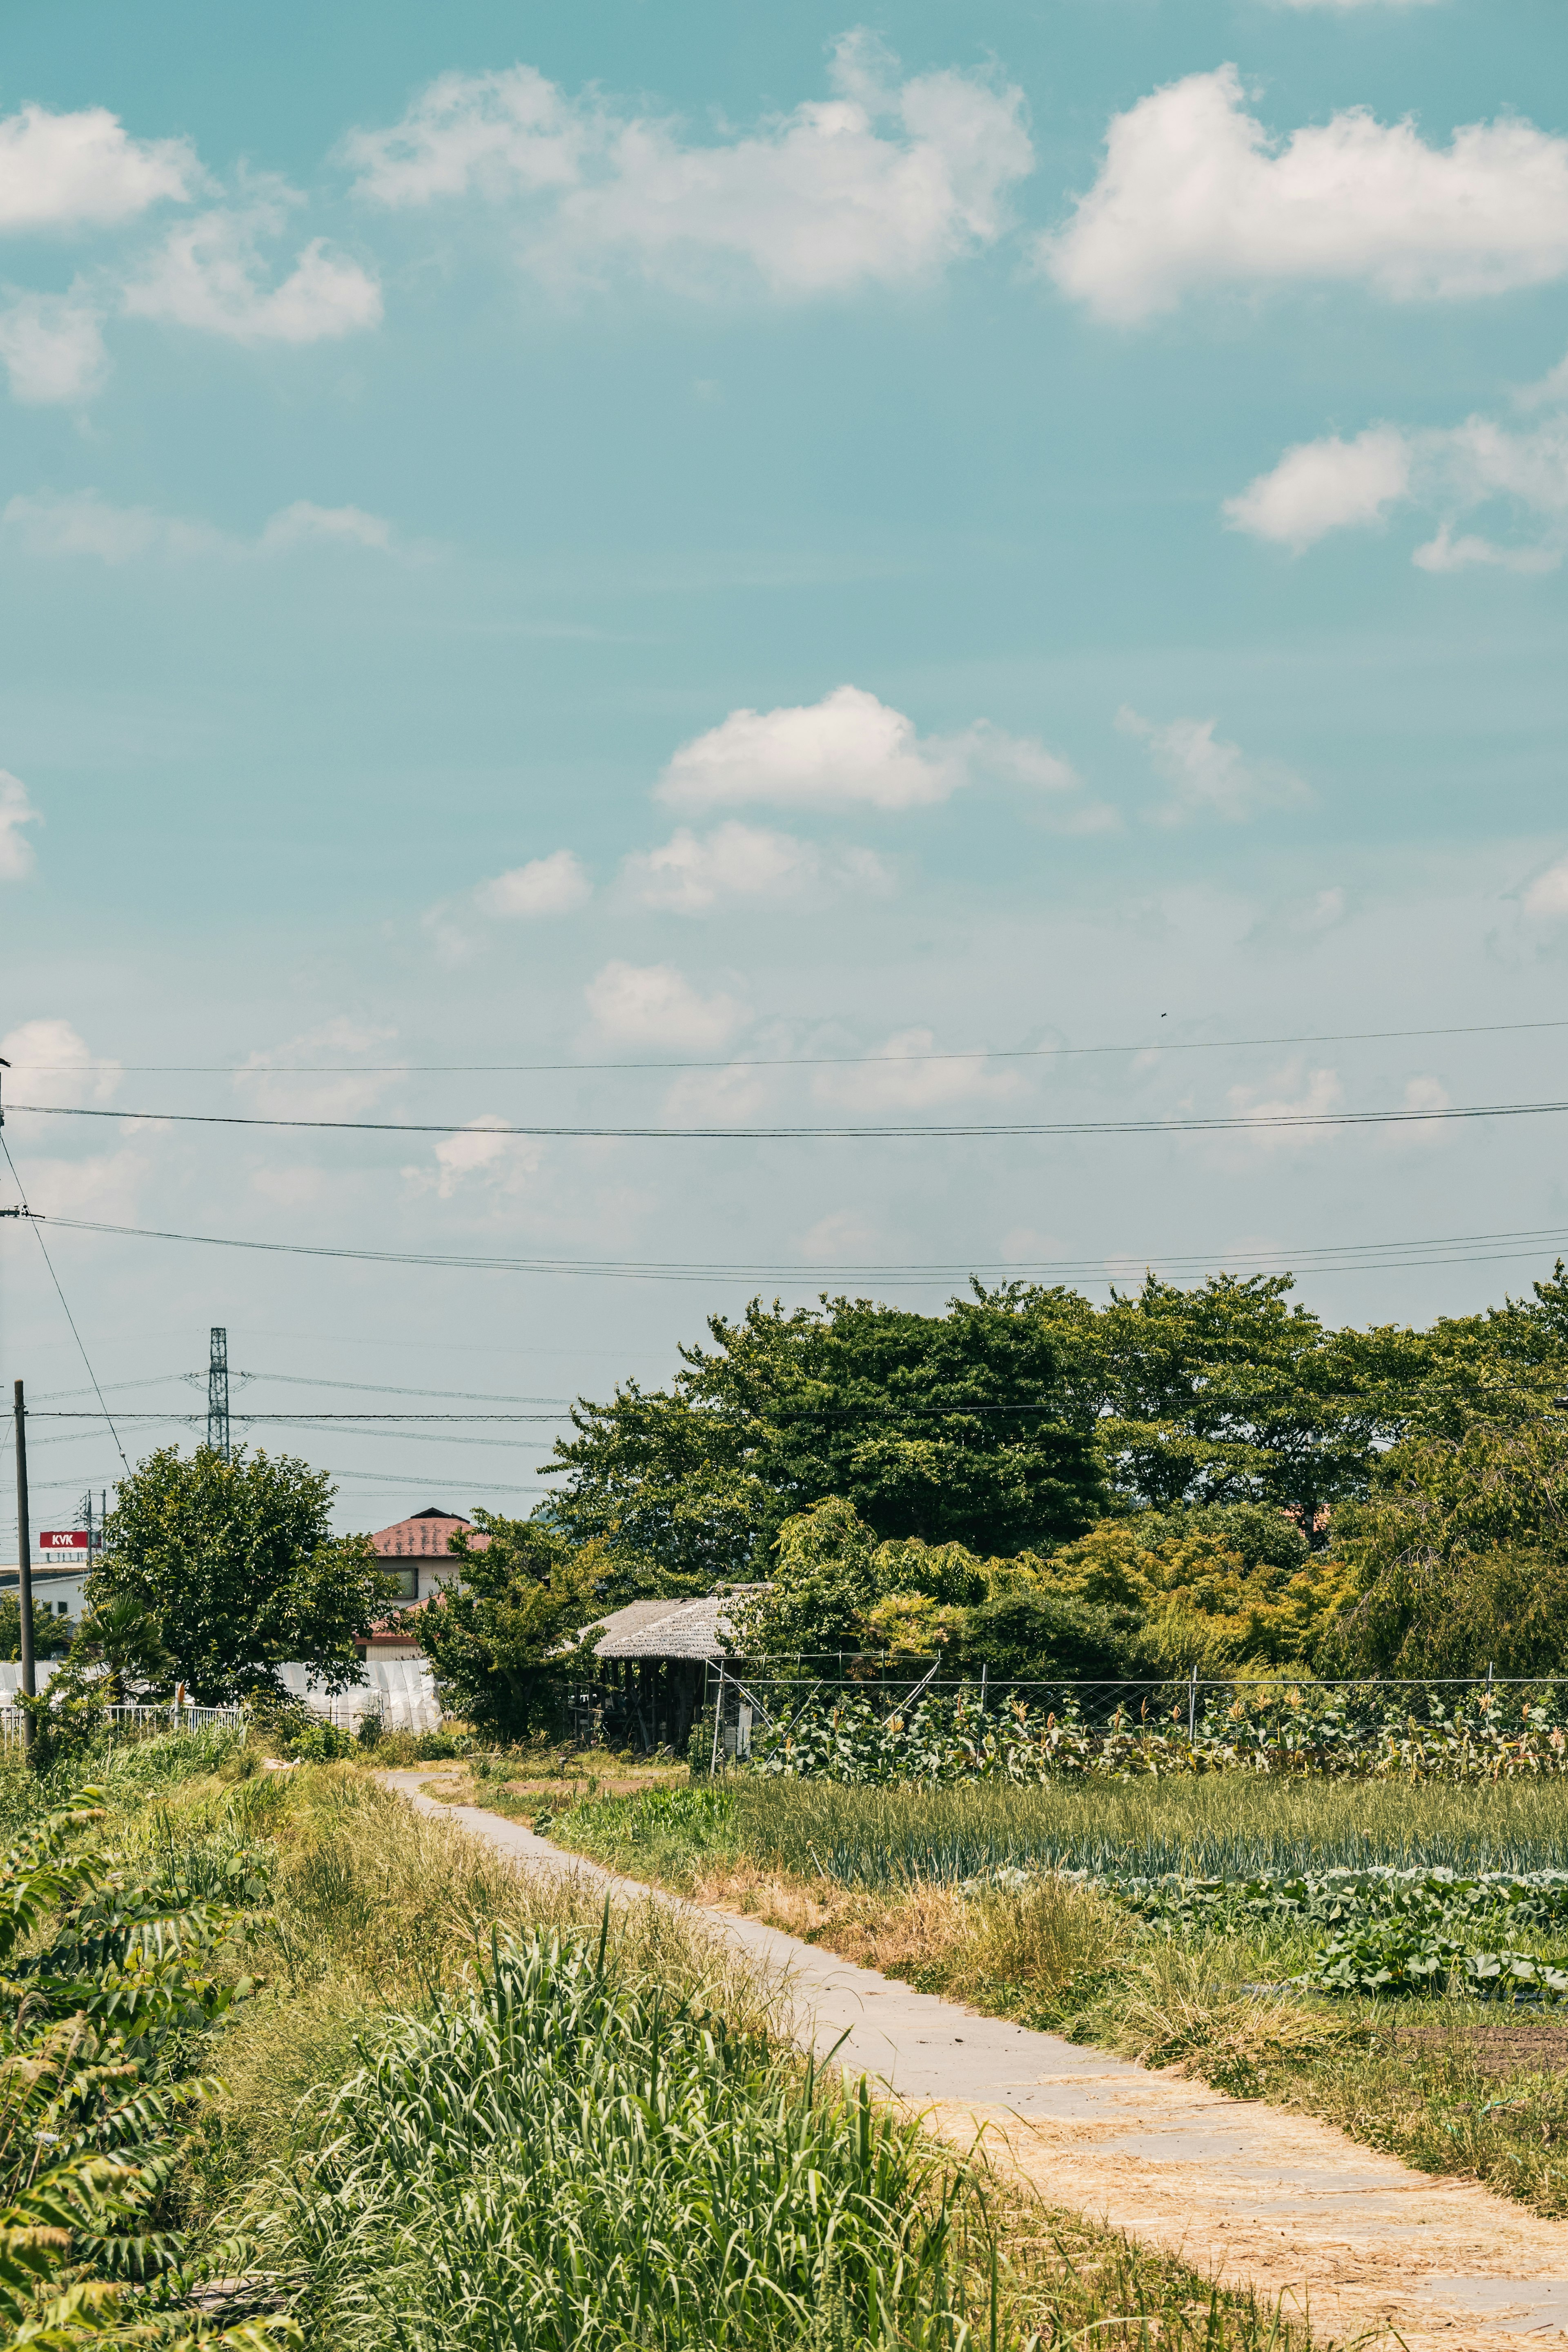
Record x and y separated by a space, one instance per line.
318 1742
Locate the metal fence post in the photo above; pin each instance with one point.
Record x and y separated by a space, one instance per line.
1192 1707
718 1725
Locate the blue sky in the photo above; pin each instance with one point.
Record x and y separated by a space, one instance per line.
741 536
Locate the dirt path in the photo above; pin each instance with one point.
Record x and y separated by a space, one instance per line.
1353 2240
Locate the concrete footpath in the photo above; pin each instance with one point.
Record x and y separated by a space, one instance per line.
1352 2240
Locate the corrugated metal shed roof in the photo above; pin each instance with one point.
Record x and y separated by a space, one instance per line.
673 1629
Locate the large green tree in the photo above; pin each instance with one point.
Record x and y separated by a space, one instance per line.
950 1427
503 1646
237 1563
1229 1393
1459 1558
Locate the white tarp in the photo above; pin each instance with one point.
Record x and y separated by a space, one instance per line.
402 1691
11 1677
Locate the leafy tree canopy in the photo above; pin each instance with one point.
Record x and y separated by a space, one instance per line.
503 1646
1459 1558
236 1564
952 1428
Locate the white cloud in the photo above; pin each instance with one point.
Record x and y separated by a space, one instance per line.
1209 777
304 522
556 885
897 1076
51 1063
690 873
289 1081
882 183
1313 1098
60 171
80 522
841 1238
1420 1093
716 1098
1321 485
848 750
500 1162
53 348
654 1005
1546 899
210 274
1193 193
101 1185
15 811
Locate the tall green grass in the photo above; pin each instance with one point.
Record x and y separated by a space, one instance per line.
1222 1825
573 2161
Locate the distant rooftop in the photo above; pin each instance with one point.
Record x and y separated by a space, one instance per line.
424 1533
673 1629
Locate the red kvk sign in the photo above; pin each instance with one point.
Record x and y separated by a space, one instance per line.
63 1539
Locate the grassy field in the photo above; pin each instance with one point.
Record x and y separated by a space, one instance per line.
462 2108
965 1891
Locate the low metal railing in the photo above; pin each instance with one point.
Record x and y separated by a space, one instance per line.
136 1722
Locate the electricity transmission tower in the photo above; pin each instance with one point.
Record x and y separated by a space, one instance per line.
218 1391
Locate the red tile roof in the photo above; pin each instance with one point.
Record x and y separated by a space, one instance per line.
424 1536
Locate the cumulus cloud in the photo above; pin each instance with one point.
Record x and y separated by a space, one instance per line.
478 1155
211 274
105 1184
654 1005
884 182
690 873
52 346
1450 470
1194 192
1546 899
68 170
15 811
1420 1093
51 1063
1209 777
1313 1095
1321 485
315 1075
556 885
843 1237
725 1098
81 523
898 1076
848 750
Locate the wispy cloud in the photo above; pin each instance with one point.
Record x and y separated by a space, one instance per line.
885 180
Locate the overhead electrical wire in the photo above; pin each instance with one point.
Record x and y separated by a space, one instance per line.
1326 1257
70 1318
1245 1122
1154 1044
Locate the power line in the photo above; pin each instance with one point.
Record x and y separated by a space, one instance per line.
1452 1249
1243 1122
372 1388
1154 1044
70 1318
302 1420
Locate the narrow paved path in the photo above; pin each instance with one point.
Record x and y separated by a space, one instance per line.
1352 2240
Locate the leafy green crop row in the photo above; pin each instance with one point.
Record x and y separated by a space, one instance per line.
943 1740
